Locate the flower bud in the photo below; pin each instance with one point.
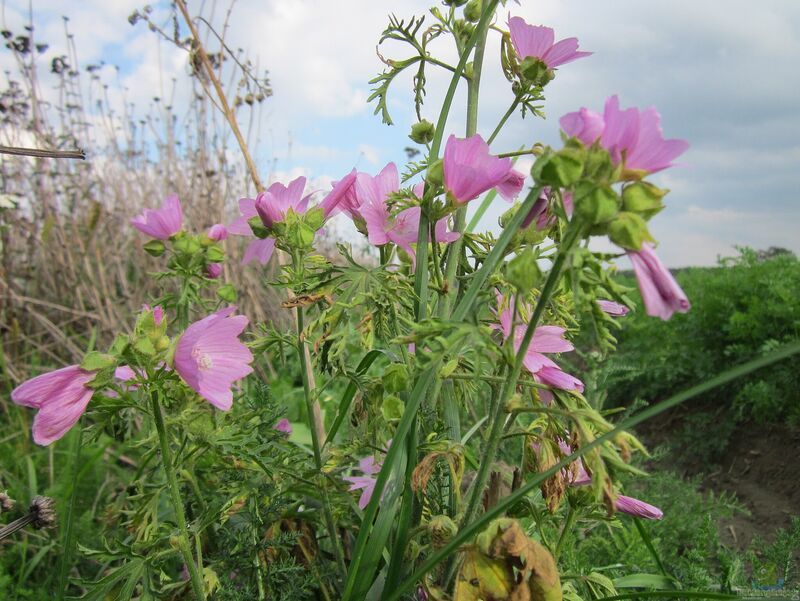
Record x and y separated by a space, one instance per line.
441 529
213 270
472 11
187 245
217 232
629 231
559 169
155 248
422 132
596 204
435 175
95 361
162 343
643 198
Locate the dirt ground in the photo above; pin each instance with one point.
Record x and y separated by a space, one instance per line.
761 467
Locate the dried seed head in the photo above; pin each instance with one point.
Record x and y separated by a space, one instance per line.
6 502
43 511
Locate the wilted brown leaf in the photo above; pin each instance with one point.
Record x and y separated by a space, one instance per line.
507 565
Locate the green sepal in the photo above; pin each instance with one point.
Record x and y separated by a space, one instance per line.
120 345
258 227
560 169
596 204
314 218
102 379
188 245
227 293
536 71
643 198
155 248
435 174
448 368
95 361
215 254
395 378
392 408
629 231
145 346
599 166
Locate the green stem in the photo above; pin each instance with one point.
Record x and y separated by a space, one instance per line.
449 402
517 153
503 120
510 384
568 523
68 543
313 426
256 559
177 502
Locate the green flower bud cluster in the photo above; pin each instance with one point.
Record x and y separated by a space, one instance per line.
589 173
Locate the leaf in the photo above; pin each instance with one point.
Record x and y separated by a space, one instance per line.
508 565
600 584
483 578
350 392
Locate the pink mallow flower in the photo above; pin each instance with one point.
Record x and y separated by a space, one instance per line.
470 170
61 396
284 426
366 483
210 357
537 41
273 204
612 308
217 232
342 197
162 223
258 248
631 136
372 196
542 210
661 293
623 504
546 339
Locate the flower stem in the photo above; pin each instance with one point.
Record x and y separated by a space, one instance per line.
177 502
450 406
503 120
510 384
315 442
568 523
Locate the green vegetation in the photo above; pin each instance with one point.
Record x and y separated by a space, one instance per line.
745 307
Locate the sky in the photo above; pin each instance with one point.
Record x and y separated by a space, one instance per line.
723 74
